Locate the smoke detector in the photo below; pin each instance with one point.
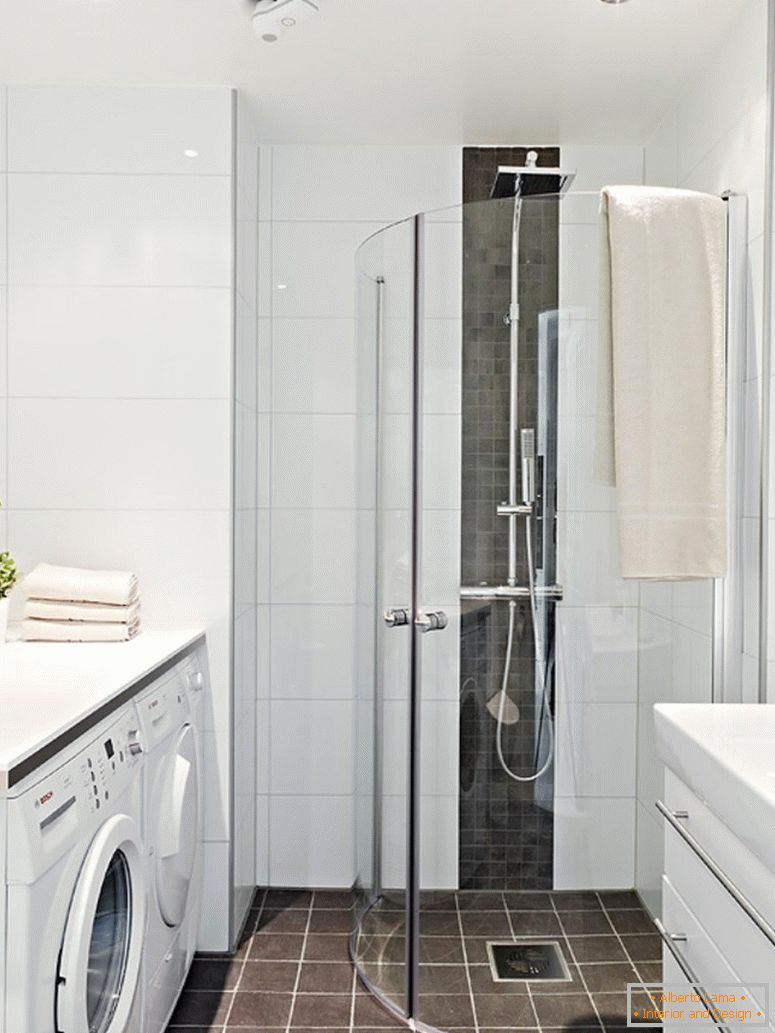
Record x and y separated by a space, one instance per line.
271 19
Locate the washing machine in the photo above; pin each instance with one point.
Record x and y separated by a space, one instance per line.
172 815
75 888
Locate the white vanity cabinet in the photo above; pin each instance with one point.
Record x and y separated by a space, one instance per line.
718 909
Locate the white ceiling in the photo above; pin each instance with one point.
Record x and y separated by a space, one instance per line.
455 71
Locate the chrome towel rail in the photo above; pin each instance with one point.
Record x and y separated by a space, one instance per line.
670 940
672 818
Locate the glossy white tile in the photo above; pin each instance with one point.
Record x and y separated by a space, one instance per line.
594 844
302 851
313 556
119 230
596 750
598 653
312 652
115 129
313 461
312 747
314 367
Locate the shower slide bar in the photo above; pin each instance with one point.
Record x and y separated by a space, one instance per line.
553 592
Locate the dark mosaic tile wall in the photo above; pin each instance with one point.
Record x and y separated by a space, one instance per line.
505 838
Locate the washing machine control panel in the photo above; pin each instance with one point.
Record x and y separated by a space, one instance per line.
106 767
162 708
59 809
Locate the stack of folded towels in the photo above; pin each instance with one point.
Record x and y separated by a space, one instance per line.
65 604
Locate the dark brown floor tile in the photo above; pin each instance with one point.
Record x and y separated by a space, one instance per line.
609 978
631 921
580 923
327 947
391 979
513 1029
440 950
318 1029
269 975
368 1012
650 971
201 1008
575 900
327 977
212 974
475 900
321 1010
444 1010
336 900
439 923
612 1008
290 921
443 979
528 901
276 947
621 899
331 921
504 1010
572 1028
596 948
281 900
648 1009
476 949
253 1008
569 1010
643 946
536 923
492 924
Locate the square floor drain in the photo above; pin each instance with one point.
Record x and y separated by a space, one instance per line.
528 959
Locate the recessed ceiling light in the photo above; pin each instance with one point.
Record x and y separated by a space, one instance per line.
190 153
614 1
282 286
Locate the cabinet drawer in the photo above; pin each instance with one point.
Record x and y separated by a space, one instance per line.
744 946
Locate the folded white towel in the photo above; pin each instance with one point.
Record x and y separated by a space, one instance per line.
661 405
73 631
116 587
101 613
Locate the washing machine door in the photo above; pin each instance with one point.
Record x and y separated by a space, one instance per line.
177 809
99 966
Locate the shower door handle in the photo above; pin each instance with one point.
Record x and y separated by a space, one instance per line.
396 618
436 621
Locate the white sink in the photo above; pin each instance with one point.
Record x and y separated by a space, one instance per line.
725 752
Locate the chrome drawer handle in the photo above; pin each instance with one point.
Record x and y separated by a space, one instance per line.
673 820
670 940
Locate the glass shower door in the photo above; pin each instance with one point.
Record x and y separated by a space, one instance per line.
386 327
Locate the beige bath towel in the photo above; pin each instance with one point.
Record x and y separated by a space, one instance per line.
114 587
101 613
661 399
73 631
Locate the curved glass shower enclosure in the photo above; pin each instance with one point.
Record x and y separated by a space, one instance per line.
499 715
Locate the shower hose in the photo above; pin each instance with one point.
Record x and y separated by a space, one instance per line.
542 666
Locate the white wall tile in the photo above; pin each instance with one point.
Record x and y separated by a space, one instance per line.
119 342
598 653
366 183
650 860
594 844
589 562
313 461
441 458
439 842
215 786
313 267
312 747
442 369
3 128
596 750
313 556
262 841
119 129
3 343
440 559
3 227
119 230
302 850
314 367
578 283
117 454
313 651
577 486
674 662
443 270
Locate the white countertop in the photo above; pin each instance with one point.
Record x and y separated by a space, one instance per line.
47 688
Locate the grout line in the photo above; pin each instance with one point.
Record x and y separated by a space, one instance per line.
301 960
244 962
577 965
465 964
624 948
353 991
527 981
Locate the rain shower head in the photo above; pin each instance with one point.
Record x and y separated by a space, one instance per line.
529 180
